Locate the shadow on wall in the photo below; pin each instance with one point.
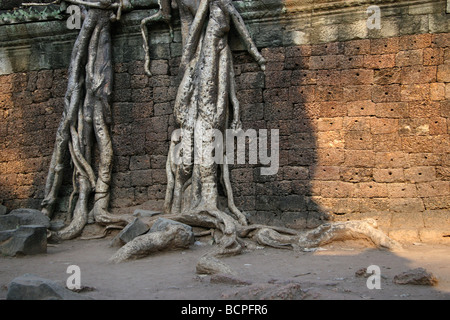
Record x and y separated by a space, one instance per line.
278 99
31 110
269 101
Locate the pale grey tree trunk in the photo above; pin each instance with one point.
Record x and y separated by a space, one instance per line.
85 123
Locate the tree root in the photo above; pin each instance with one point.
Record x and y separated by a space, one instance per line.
85 121
207 264
105 232
173 237
327 233
233 243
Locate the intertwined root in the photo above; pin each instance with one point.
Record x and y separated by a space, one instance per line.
173 237
327 233
232 243
85 122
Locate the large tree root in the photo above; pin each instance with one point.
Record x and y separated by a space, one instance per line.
233 242
173 237
328 233
85 122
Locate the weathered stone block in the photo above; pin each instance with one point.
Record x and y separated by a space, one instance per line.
278 110
359 158
420 174
383 125
356 174
387 142
139 162
406 205
409 58
384 45
26 240
327 173
404 235
443 73
292 203
434 188
336 189
391 110
387 76
357 47
372 190
323 62
379 61
402 190
141 178
387 93
388 175
356 77
436 203
131 231
418 74
330 157
328 93
358 140
433 56
30 217
31 287
412 42
159 67
437 91
253 80
357 124
273 54
8 222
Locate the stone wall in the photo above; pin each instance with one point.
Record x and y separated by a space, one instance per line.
364 115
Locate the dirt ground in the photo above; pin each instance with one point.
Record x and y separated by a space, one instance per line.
325 274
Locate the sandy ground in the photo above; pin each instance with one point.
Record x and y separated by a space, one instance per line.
325 274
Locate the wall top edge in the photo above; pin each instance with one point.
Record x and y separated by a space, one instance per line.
253 9
45 44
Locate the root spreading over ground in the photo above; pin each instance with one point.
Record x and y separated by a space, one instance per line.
176 237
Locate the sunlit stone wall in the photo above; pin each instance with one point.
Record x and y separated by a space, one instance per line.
362 108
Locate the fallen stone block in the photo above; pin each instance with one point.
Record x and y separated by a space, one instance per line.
30 216
132 230
25 240
31 287
9 222
418 276
6 234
